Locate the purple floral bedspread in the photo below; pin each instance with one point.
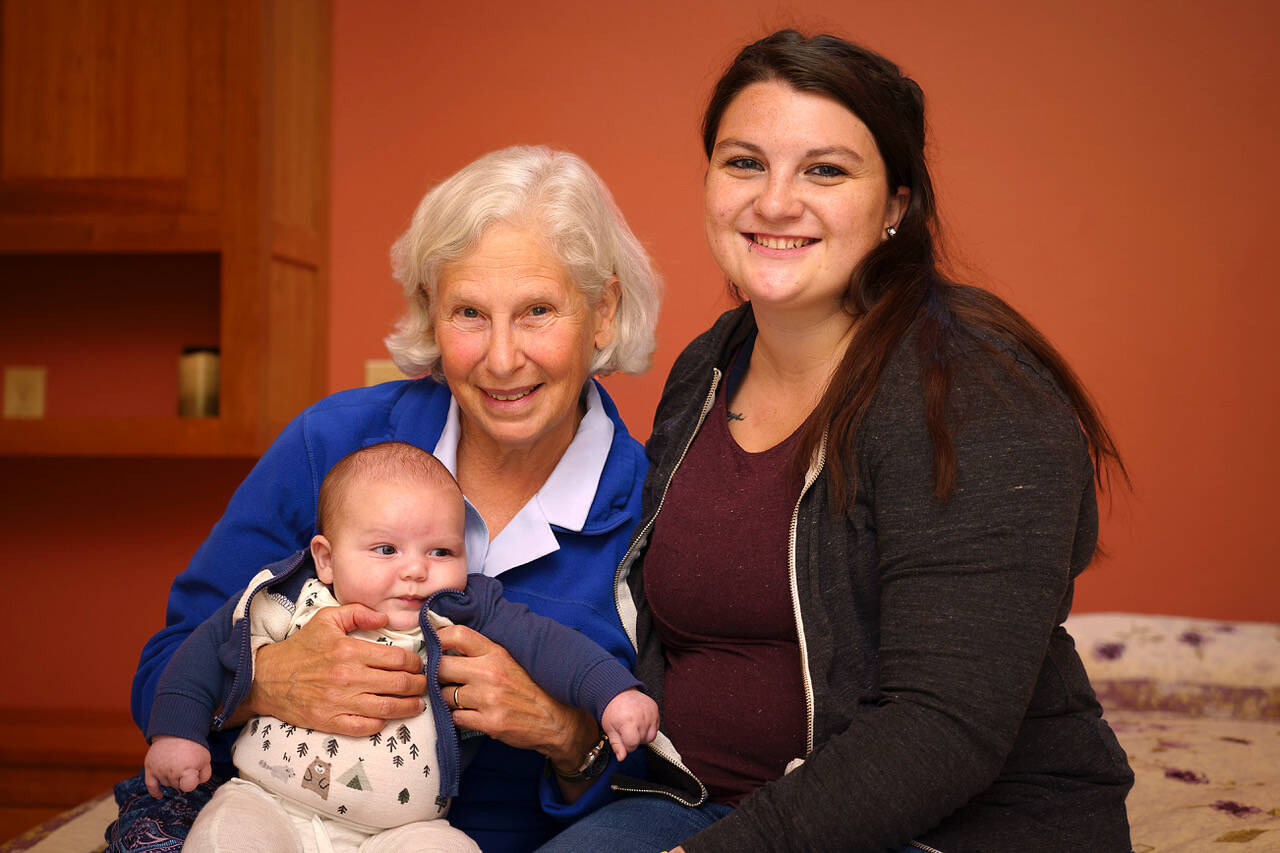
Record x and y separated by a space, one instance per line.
1196 705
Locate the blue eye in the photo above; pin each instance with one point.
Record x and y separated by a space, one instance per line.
540 310
826 170
441 552
469 313
385 550
744 163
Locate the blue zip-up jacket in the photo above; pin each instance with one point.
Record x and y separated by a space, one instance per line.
504 802
213 668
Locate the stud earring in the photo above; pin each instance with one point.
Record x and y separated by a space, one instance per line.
891 231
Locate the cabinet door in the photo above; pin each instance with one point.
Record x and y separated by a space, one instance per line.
110 107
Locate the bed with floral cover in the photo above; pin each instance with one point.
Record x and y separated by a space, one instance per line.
1196 705
1194 702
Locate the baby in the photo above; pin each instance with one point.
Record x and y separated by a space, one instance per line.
391 519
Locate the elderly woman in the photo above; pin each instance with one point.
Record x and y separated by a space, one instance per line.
871 492
524 282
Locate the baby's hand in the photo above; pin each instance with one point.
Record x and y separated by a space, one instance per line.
176 762
630 720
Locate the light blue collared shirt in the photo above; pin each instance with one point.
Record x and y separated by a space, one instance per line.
564 499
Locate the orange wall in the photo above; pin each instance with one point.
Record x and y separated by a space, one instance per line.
1107 167
89 547
1091 163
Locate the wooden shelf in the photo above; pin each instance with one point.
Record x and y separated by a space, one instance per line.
126 436
96 232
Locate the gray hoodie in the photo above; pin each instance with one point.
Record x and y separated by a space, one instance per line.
947 704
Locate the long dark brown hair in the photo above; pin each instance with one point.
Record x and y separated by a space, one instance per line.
899 283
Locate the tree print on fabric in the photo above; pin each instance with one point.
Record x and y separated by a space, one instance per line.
355 778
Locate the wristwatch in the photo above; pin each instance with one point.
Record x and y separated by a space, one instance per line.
593 764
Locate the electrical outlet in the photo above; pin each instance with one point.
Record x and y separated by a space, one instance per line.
24 392
378 370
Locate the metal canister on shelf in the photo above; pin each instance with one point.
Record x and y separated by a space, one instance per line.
198 382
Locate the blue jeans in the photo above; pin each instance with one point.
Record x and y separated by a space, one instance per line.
636 824
639 824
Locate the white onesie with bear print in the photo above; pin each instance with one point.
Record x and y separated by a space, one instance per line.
339 792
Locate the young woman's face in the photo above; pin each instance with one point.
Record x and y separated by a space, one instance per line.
796 195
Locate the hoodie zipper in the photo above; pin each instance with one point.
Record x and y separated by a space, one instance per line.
815 467
618 581
644 531
449 757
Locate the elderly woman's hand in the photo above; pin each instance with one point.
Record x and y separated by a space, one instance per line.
500 699
321 679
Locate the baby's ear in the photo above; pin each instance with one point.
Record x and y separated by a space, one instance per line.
322 553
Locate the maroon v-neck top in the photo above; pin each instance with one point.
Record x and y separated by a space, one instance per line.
717 579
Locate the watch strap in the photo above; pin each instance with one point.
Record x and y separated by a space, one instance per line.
593 763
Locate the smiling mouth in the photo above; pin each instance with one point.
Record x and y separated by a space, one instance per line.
511 396
772 242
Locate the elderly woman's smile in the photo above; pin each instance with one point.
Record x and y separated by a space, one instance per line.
497 395
516 339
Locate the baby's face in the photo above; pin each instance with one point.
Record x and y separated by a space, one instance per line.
394 545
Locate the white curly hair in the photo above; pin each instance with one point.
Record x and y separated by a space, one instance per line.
557 194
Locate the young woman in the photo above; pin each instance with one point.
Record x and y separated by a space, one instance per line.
870 491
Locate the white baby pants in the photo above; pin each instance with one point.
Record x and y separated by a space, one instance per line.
242 817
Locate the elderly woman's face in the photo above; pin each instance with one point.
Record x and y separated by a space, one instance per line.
516 338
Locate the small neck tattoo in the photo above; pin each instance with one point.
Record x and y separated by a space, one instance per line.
735 416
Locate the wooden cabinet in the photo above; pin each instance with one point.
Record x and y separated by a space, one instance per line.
52 760
164 170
